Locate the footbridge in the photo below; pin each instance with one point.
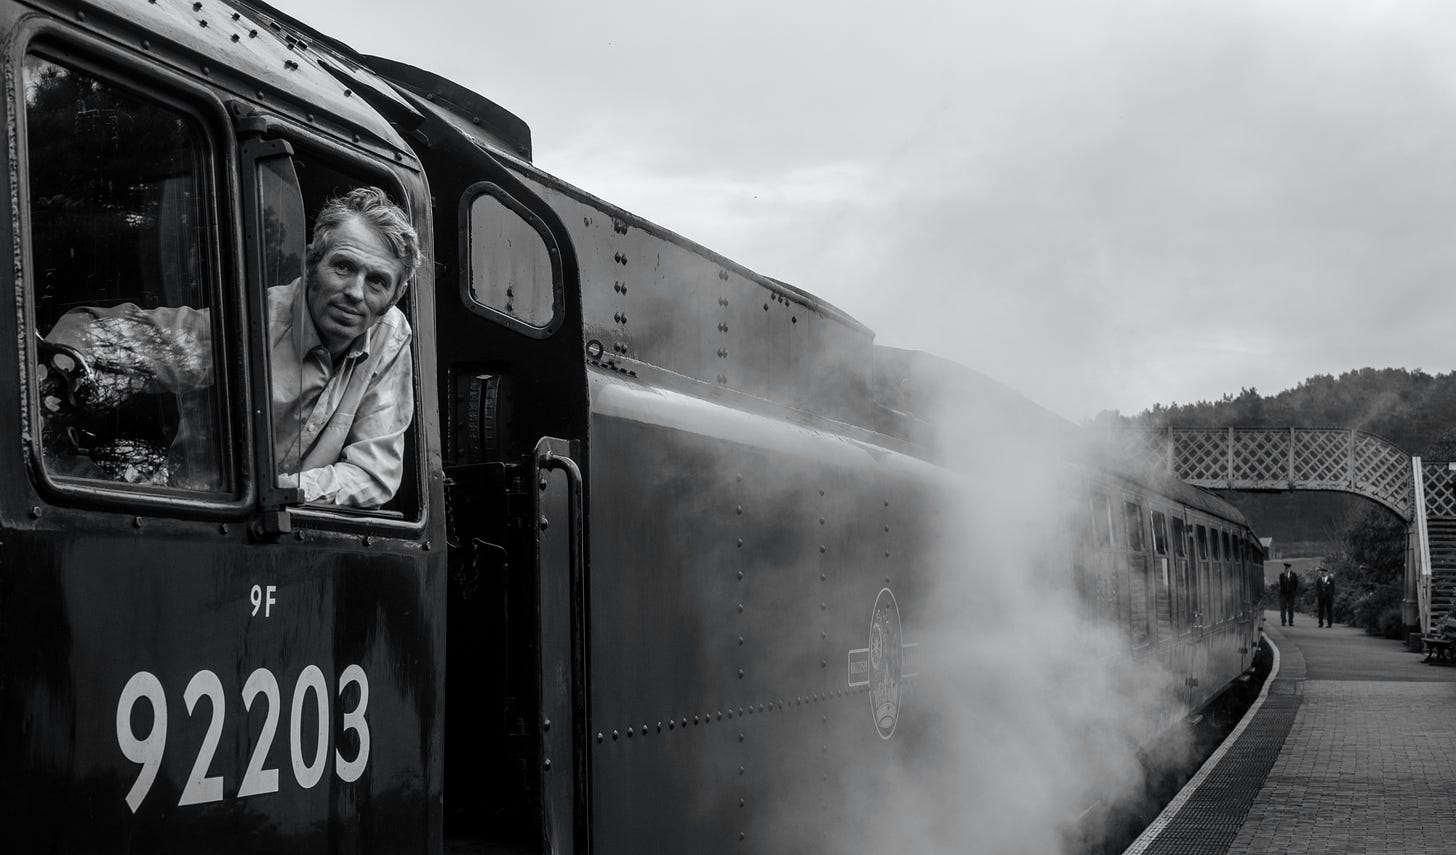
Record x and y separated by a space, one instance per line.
1423 493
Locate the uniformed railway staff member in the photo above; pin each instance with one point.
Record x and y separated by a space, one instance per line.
339 357
1288 588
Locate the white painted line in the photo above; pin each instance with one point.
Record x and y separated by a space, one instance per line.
1151 833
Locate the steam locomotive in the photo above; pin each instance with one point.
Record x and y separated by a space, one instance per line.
657 575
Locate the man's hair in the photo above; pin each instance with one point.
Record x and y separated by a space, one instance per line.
374 208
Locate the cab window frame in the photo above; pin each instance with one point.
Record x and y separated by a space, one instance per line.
363 170
202 108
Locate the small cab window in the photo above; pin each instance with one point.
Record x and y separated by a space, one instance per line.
1102 520
123 279
1160 533
1202 543
1132 515
512 265
1180 538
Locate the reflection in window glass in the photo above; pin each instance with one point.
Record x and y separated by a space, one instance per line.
120 280
1132 515
510 267
1102 520
1160 533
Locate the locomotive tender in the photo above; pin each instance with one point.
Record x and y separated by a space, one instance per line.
656 566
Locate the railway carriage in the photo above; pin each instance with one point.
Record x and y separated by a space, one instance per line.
659 562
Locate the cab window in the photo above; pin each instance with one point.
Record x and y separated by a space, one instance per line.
339 343
123 278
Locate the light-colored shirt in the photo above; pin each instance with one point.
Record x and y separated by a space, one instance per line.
338 429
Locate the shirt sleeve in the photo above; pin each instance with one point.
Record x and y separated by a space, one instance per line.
371 464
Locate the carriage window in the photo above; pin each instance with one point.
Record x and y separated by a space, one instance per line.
513 269
1213 544
1160 533
1227 548
1102 520
1132 514
1180 538
1202 543
122 249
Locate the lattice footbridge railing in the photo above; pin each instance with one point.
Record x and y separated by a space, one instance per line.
1286 459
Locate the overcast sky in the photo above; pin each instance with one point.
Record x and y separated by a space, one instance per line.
1105 204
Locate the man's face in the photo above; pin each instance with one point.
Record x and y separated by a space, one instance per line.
353 285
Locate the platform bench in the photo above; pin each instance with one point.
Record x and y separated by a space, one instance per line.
1440 648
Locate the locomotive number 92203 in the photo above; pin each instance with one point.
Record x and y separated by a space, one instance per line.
147 749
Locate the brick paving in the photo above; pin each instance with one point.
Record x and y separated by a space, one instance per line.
1332 761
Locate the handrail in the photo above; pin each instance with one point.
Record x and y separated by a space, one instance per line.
1423 544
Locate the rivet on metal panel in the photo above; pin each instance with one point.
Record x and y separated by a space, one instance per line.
237 15
146 44
252 34
765 307
740 673
545 524
356 137
547 763
474 120
740 605
887 504
35 512
671 724
740 711
695 719
823 635
740 574
685 721
348 93
823 664
823 548
659 727
544 482
740 509
740 543
80 16
222 528
546 725
740 802
823 606
137 521
821 521
202 24
794 319
644 728
236 38
310 118
599 736
720 715
616 735
740 770
740 736
740 641
629 733
206 71
760 707
887 529
197 7
741 835
298 535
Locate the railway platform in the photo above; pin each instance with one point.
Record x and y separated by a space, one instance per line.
1350 748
